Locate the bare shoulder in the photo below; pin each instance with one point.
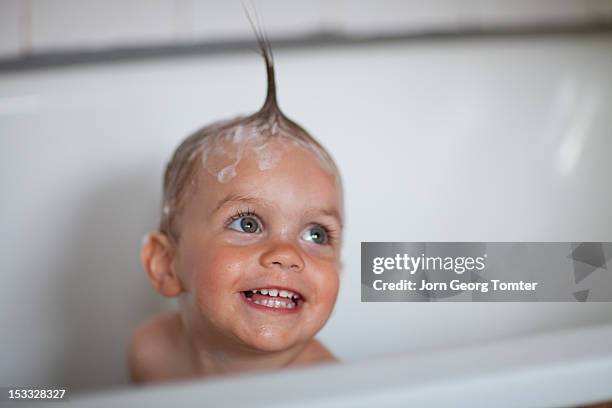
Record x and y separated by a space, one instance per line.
151 344
322 352
315 353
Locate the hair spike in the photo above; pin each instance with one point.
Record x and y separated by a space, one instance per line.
180 177
270 105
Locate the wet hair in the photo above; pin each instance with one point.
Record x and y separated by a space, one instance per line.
257 129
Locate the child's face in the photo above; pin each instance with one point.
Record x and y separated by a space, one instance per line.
268 229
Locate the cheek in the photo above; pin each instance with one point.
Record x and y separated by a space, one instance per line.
217 271
327 280
325 253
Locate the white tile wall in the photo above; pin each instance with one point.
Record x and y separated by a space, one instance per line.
538 11
413 15
397 15
215 20
64 24
10 35
90 24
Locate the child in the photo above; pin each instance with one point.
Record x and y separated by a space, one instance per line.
249 243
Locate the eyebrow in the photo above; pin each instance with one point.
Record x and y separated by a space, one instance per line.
235 198
330 213
239 198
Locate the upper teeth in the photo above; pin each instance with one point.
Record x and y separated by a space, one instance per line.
275 292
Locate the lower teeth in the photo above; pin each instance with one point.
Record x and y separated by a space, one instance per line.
274 304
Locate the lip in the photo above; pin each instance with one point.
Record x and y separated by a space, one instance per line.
274 310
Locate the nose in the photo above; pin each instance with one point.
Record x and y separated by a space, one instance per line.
284 256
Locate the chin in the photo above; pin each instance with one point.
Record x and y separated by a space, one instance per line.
270 340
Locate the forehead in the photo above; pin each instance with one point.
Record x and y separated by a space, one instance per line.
280 173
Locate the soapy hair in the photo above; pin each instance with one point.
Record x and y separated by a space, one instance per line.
232 138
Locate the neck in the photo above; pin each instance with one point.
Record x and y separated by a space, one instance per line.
213 354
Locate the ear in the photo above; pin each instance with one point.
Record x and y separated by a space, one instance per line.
157 259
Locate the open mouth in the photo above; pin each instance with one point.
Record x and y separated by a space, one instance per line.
274 298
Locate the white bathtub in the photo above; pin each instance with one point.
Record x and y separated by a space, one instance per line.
504 139
547 370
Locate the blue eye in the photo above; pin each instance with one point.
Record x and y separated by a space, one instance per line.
317 234
246 223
